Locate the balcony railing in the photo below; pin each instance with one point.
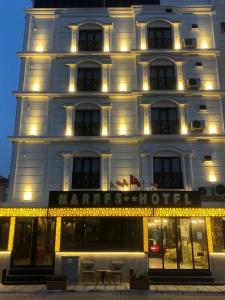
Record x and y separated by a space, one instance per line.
169 180
92 85
90 45
87 128
166 83
86 180
165 127
160 43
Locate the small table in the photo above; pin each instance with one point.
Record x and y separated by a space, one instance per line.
103 275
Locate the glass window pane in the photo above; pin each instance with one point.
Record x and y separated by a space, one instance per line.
169 233
155 243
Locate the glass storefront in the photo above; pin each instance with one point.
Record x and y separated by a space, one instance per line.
4 233
34 242
177 243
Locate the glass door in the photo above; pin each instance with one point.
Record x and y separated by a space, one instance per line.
34 242
177 243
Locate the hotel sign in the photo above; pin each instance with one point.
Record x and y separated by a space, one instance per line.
112 199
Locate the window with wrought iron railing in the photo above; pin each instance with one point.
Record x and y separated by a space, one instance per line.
87 123
89 79
90 40
162 78
168 173
160 38
86 173
164 120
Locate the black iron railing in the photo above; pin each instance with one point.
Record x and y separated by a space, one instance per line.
92 85
90 45
160 43
169 180
165 127
166 83
87 128
86 180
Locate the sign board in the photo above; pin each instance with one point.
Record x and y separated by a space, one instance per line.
137 199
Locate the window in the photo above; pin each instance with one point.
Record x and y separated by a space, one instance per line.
4 233
223 27
160 38
86 173
162 78
164 121
101 234
89 79
90 40
87 123
167 172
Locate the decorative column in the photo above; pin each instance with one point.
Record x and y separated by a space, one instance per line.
189 168
209 234
105 120
184 172
182 118
146 168
105 171
74 38
146 119
142 38
67 165
107 38
145 234
180 77
176 34
145 76
11 233
58 234
69 120
105 78
72 78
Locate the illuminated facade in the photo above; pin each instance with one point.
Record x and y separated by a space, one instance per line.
110 92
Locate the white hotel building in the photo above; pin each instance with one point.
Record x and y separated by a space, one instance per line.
132 88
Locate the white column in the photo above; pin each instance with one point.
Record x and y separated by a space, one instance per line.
74 38
146 119
105 78
182 118
184 172
189 169
67 165
142 36
107 38
72 78
180 76
105 171
145 76
176 34
69 120
104 120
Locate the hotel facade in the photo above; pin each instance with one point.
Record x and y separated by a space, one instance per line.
118 149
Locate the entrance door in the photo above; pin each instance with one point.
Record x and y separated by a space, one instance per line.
34 242
177 243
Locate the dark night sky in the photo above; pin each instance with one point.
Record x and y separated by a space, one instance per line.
11 39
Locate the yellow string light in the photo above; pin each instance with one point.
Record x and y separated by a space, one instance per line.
11 233
209 234
58 234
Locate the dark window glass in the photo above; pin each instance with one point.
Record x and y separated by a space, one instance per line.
87 123
101 234
86 173
160 38
90 40
167 172
4 233
162 78
164 121
223 27
89 79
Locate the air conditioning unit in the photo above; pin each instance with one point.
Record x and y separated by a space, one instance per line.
220 189
194 83
205 191
190 43
197 125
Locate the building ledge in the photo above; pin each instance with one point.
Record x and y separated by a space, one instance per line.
116 139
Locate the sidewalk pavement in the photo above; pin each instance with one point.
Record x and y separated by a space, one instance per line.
116 289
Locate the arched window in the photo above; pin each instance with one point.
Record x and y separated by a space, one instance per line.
89 77
167 170
90 37
160 35
87 120
86 171
164 118
162 75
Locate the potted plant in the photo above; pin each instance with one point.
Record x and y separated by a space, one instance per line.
140 282
56 282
